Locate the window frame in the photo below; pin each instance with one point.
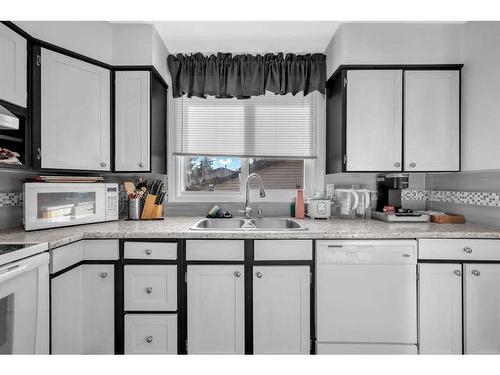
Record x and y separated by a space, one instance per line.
314 171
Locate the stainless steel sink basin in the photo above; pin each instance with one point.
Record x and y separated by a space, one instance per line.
271 224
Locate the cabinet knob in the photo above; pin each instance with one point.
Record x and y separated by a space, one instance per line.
103 164
237 273
149 339
468 250
141 164
259 275
457 272
413 165
148 290
148 251
104 275
476 272
397 164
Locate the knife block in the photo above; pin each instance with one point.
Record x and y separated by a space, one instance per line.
149 207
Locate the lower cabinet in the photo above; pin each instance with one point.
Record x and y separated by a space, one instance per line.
441 299
151 334
82 310
281 309
215 309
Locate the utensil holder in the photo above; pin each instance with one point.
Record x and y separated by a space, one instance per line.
134 208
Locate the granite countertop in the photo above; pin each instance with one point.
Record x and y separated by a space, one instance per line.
178 227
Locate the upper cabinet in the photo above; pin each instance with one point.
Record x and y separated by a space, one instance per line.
432 120
374 118
13 67
393 119
140 122
74 114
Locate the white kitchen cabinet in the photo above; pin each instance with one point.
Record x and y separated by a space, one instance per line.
75 114
432 120
150 334
281 309
482 308
215 309
13 67
132 120
374 120
82 310
440 308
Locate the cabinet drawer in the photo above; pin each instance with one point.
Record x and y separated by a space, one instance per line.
150 287
462 249
151 250
283 249
65 256
100 250
215 250
150 334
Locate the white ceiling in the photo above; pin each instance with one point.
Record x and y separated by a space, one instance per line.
246 36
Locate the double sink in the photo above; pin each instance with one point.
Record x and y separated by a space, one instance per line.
272 224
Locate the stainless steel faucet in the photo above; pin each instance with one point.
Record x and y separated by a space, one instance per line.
247 210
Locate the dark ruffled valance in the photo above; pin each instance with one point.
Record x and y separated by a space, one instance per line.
243 76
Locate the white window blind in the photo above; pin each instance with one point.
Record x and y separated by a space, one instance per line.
269 126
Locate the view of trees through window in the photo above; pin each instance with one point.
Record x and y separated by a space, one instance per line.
225 173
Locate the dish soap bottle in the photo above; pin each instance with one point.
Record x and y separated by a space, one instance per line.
299 204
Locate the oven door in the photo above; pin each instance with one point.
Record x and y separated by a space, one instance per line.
48 205
24 306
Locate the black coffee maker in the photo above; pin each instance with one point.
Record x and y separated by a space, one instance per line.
389 188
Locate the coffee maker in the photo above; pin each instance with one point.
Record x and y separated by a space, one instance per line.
389 205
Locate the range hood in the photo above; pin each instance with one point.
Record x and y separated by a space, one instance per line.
8 120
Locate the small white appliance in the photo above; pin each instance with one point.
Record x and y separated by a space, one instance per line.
318 208
24 299
50 205
366 297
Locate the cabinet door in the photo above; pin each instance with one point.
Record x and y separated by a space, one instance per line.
13 67
98 332
374 120
82 314
215 309
432 120
440 308
281 310
75 114
132 121
150 334
482 308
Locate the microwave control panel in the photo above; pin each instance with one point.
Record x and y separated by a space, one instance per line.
112 201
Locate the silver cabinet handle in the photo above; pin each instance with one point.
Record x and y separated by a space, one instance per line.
237 273
476 272
103 164
148 290
258 274
148 251
141 164
104 275
149 339
412 165
468 250
397 164
457 272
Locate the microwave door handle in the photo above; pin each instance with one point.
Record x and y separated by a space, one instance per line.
10 272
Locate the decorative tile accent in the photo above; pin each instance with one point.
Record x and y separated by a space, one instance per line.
415 195
458 197
11 199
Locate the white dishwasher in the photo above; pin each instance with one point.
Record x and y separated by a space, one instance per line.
366 297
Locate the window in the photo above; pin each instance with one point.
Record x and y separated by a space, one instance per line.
217 143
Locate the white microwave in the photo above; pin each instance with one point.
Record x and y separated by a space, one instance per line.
51 205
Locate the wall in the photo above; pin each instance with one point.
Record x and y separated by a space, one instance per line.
395 43
481 96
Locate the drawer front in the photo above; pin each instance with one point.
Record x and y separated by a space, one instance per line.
150 334
100 250
150 287
65 256
363 349
215 250
283 249
151 250
462 249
